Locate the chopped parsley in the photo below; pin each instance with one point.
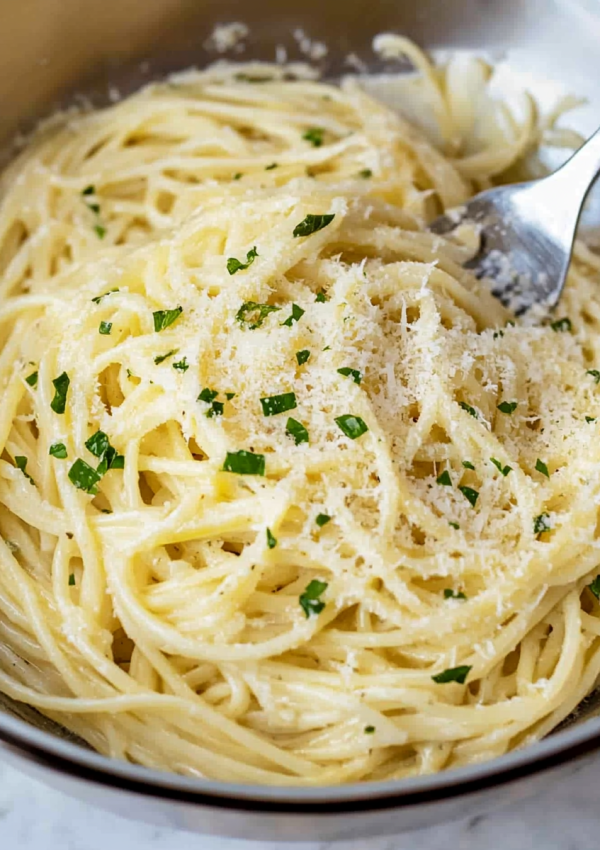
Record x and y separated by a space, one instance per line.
595 587
352 426
444 479
302 356
164 318
234 265
229 396
275 404
467 464
504 470
453 674
32 379
454 525
315 136
365 173
271 167
369 730
89 190
347 372
58 450
322 297
61 387
452 594
181 365
595 375
309 600
542 468
208 395
238 176
217 409
589 419
541 523
99 445
105 328
322 519
508 407
100 231
253 314
162 357
313 223
296 429
562 325
271 541
99 298
469 494
21 463
470 410
84 477
72 580
295 316
244 463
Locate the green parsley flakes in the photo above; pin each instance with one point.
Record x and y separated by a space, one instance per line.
595 375
99 445
275 404
322 519
244 463
302 356
365 173
297 431
164 318
504 470
369 730
58 450
162 357
208 395
234 265
105 328
89 190
32 379
72 580
562 325
21 463
216 408
347 372
313 223
352 426
595 587
310 601
470 410
589 419
315 136
541 524
453 674
252 315
181 365
271 167
295 316
84 477
508 407
322 297
100 231
99 298
271 541
542 468
470 495
452 594
61 387
454 525
467 464
444 479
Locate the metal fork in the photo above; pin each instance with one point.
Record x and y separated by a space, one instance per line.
528 230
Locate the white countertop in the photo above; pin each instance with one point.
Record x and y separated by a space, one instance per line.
35 817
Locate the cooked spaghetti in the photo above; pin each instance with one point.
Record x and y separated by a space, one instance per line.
285 495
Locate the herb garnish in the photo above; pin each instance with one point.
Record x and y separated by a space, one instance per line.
444 479
253 314
162 357
271 167
181 365
322 297
99 298
562 325
467 464
508 407
469 494
454 525
502 469
315 136
32 379
105 328
302 356
21 463
369 730
365 173
234 265
595 587
347 372
99 445
164 318
322 519
61 387
100 231
589 419
595 375
72 580
84 477
453 674
469 409
313 223
58 450
271 541
352 426
295 316
244 463
452 594
296 429
275 404
309 600
541 523
542 468
208 395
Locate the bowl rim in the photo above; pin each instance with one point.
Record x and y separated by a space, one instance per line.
65 757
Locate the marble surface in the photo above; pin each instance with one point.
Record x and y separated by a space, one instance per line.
35 817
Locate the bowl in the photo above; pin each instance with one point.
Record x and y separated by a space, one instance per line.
54 53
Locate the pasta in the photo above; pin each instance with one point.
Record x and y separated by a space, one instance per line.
285 495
